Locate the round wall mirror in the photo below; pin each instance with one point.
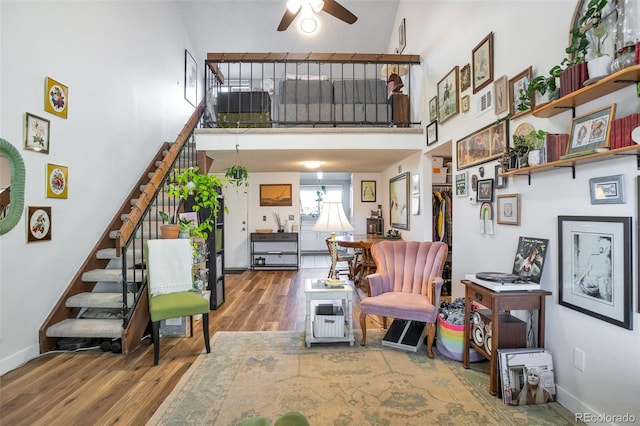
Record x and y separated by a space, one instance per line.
11 206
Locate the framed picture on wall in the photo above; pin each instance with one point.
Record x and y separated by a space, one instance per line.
590 132
276 195
399 201
432 132
483 63
462 179
516 84
36 133
57 181
508 209
485 190
595 267
368 191
433 109
56 98
38 224
190 78
500 95
448 96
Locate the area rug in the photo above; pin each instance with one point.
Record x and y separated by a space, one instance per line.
250 374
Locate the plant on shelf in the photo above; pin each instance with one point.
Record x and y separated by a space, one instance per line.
237 175
183 225
541 85
523 144
203 190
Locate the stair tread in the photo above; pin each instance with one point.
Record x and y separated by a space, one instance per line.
112 275
93 328
98 300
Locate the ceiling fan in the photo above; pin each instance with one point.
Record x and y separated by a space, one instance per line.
332 7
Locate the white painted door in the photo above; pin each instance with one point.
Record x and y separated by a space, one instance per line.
236 236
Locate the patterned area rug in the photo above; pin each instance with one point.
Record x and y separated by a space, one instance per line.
252 374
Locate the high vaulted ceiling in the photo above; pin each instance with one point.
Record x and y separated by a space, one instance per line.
251 26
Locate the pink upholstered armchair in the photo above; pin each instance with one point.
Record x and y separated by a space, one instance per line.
406 285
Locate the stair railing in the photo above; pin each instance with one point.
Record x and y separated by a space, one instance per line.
143 221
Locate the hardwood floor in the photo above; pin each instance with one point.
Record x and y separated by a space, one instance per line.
101 388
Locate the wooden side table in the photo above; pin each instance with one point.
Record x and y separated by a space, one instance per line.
497 302
400 109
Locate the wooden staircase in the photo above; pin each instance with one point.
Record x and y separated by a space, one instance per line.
107 299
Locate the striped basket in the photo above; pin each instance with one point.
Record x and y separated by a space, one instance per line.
449 340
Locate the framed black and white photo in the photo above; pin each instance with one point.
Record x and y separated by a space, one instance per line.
399 201
595 267
432 133
190 78
485 190
607 189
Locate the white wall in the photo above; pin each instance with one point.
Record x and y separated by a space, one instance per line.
123 63
533 33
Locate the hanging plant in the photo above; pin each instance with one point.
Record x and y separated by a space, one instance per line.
237 175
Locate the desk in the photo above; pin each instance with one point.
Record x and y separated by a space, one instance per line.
497 302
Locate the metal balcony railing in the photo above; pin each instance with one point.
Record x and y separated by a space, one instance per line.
308 90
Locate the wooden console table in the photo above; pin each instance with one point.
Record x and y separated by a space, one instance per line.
497 302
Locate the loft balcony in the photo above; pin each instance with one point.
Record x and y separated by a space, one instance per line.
352 112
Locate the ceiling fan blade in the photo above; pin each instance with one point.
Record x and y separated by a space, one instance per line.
287 19
334 8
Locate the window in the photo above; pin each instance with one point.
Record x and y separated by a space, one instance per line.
312 197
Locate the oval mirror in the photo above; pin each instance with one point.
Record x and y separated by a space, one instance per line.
11 212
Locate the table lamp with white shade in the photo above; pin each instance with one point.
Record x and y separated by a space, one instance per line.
332 219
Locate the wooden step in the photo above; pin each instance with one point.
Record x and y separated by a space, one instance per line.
88 328
98 300
112 275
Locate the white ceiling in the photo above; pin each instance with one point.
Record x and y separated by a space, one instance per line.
250 26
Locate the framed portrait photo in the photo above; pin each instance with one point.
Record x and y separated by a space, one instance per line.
36 133
432 132
591 132
595 267
448 96
56 98
516 84
508 206
368 191
482 59
485 190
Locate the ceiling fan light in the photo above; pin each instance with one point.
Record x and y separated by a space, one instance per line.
308 24
317 5
294 5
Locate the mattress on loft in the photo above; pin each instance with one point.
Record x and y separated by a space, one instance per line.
305 92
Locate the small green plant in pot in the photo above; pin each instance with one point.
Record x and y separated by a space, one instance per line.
237 175
168 229
203 190
525 144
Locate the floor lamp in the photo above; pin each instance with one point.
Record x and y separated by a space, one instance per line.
332 219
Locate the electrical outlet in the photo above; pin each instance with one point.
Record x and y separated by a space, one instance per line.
264 218
578 359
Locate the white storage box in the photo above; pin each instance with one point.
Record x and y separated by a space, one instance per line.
328 325
440 176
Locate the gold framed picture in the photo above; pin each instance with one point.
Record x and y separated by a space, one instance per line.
57 181
276 195
56 98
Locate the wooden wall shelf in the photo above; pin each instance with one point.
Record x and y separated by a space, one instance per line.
572 162
609 84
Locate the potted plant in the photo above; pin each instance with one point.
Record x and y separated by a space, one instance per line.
596 29
176 227
237 175
529 147
541 89
203 191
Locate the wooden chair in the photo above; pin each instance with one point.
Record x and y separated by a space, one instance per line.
366 265
338 255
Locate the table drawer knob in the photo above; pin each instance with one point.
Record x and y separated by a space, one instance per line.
478 297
